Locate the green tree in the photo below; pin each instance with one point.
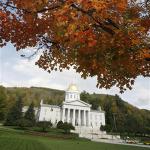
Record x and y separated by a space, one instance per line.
15 113
3 98
119 101
30 114
95 103
85 96
108 112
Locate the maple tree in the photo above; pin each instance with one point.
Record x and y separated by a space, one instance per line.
108 39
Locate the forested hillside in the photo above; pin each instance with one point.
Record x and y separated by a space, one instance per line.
120 115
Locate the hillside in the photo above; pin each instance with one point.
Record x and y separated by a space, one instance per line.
35 94
50 96
127 116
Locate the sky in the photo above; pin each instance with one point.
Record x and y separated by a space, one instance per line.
16 71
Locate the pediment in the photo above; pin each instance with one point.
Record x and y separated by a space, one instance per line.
77 103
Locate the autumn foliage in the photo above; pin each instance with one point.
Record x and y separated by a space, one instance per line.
108 39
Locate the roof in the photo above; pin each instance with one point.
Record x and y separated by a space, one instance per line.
77 103
47 105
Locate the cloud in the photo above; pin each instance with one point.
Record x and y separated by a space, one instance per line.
143 94
140 94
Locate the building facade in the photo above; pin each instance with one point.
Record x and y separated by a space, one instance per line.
72 110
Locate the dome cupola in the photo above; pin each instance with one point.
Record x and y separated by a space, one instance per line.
73 88
72 93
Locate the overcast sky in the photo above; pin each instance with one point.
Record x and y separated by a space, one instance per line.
19 72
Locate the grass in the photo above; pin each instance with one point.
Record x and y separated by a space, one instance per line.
11 139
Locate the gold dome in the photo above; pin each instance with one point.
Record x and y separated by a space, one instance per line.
73 88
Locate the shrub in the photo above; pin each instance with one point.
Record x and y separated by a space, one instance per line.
44 125
23 123
103 128
67 127
106 128
59 125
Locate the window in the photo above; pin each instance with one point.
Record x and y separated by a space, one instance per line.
70 95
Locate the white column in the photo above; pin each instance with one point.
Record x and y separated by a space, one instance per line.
68 116
88 118
79 117
84 117
63 114
73 117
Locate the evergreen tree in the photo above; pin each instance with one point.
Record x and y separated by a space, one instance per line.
30 114
15 113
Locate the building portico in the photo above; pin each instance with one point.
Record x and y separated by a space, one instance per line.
77 117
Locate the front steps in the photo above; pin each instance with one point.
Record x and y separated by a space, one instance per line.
96 134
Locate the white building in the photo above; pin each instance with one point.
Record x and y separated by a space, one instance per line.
87 122
73 110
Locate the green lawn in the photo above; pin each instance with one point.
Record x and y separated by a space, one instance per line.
11 139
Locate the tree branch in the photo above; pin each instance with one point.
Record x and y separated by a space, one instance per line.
98 23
